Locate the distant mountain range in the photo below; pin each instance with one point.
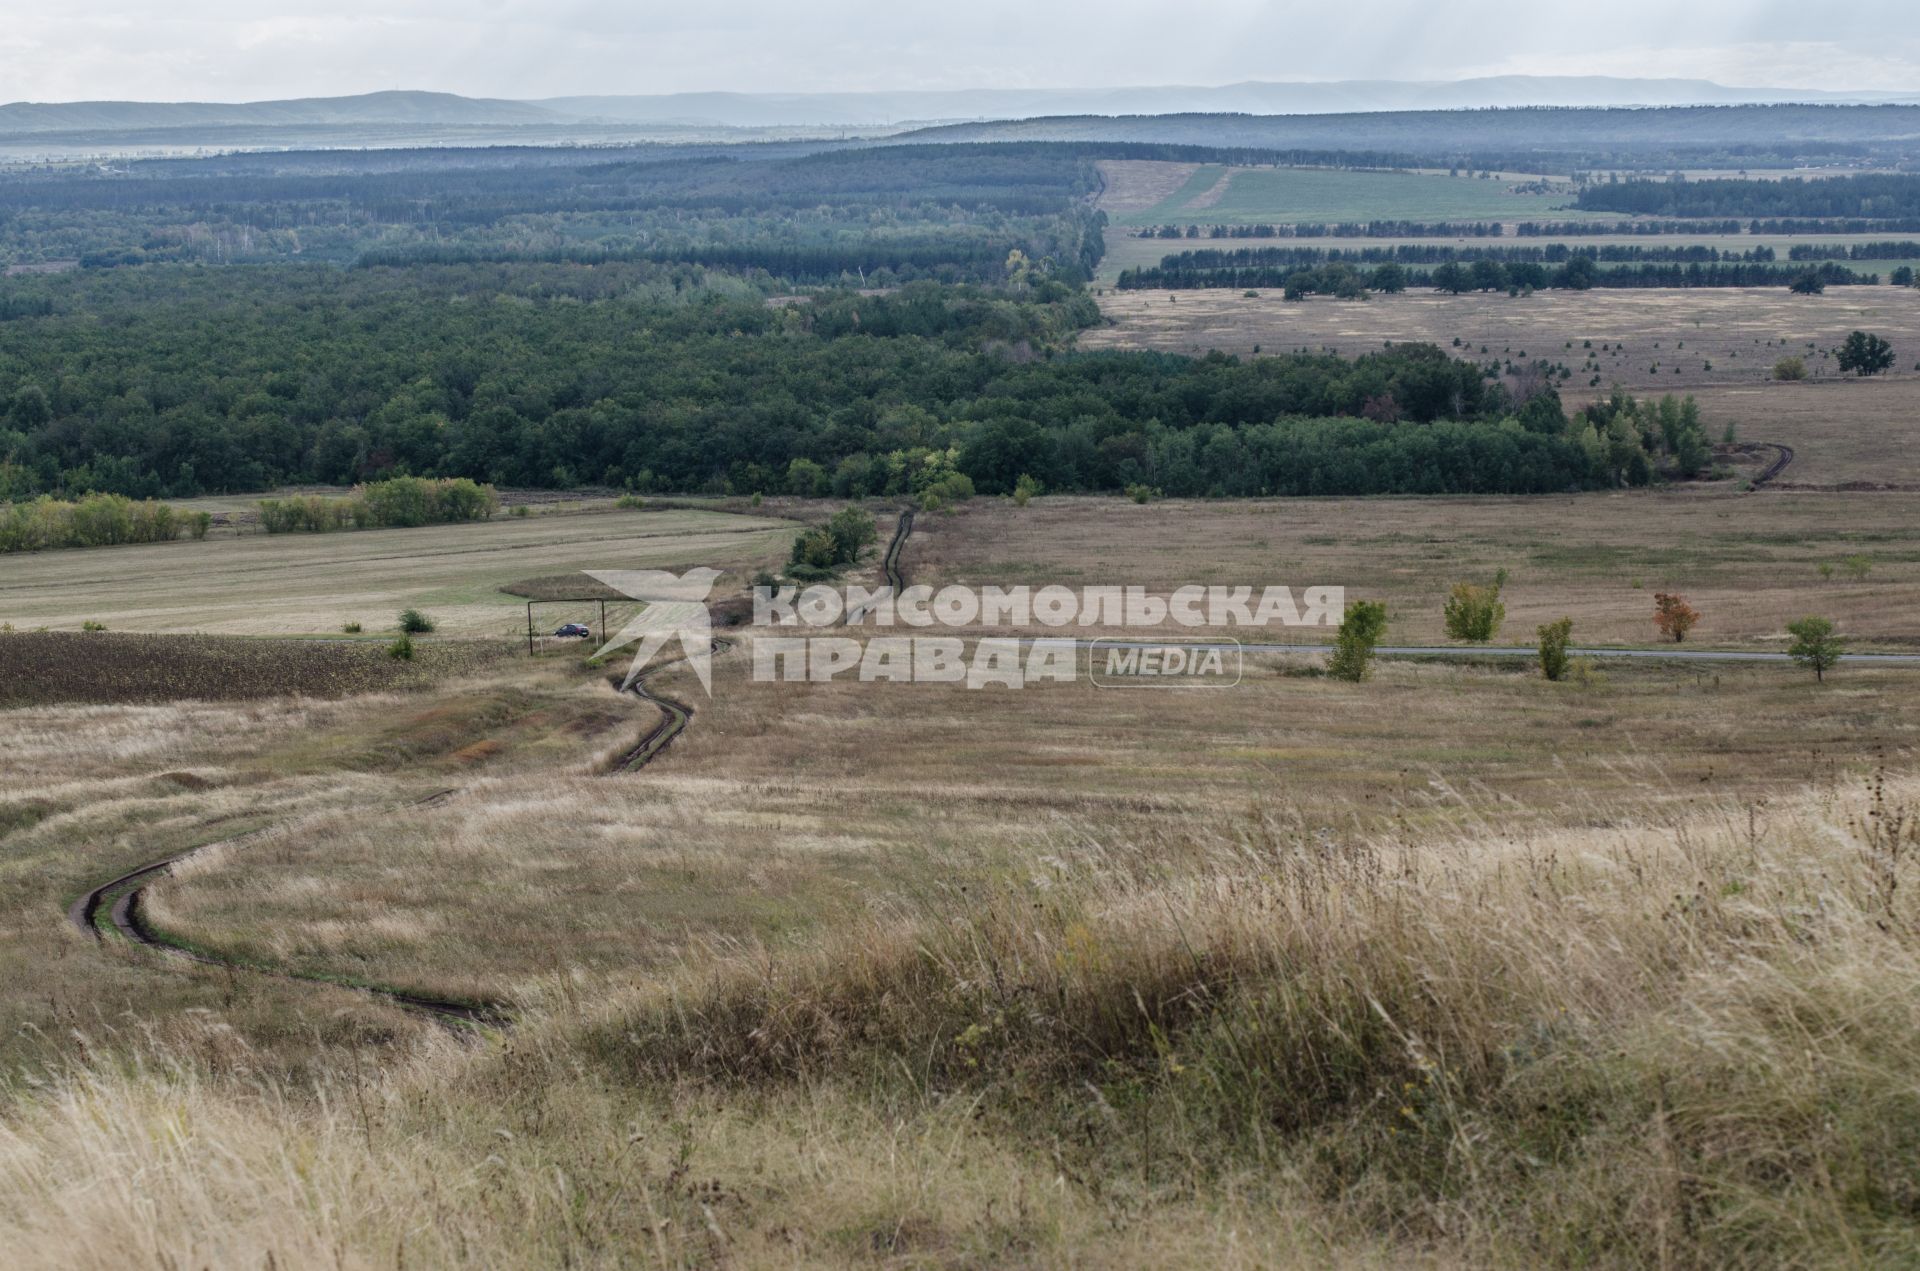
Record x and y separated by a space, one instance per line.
591 115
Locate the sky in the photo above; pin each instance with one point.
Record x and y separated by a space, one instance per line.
241 50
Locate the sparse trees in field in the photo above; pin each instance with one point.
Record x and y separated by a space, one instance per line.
1815 646
1553 639
1864 353
1674 616
1360 632
1473 612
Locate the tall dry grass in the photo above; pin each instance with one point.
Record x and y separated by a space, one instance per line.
1687 1043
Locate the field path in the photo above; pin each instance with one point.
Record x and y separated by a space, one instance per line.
120 896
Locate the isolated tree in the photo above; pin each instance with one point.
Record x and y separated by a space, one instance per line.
1390 278
1865 354
1553 648
1473 612
1360 631
1814 645
1902 277
1674 616
1807 285
1451 279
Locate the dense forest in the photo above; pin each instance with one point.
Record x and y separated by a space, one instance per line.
165 381
899 213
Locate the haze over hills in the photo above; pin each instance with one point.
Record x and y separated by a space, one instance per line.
869 109
1253 97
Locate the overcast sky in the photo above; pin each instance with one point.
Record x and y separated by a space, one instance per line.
231 50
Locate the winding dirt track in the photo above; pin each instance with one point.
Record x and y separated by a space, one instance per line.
125 890
891 565
1778 466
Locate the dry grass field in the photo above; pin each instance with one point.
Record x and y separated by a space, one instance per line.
1454 966
1749 562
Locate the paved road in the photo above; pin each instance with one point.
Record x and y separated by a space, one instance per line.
1667 654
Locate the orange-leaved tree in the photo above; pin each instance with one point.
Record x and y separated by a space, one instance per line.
1674 616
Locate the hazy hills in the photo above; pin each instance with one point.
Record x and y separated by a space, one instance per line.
869 109
367 108
1388 117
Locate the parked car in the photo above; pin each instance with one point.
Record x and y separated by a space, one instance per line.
575 631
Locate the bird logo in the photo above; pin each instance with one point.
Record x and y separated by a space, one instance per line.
671 605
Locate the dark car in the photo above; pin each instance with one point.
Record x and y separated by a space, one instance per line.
575 631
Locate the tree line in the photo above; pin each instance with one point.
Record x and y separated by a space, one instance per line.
1870 197
1580 272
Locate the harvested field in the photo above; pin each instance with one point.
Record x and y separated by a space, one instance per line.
304 584
43 668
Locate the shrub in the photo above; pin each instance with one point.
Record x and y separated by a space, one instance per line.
954 487
1674 616
1360 631
1141 493
824 550
1790 368
352 628
413 622
198 523
1858 567
1553 648
1025 489
401 503
91 625
630 503
1473 612
97 520
521 510
401 650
